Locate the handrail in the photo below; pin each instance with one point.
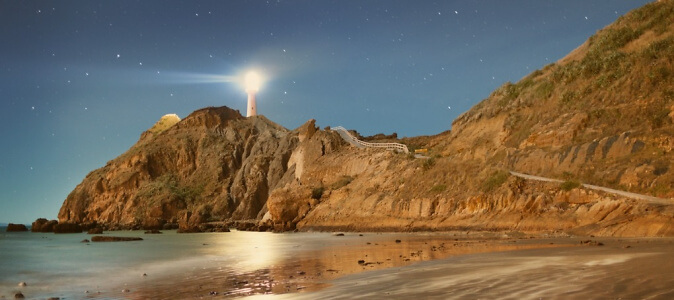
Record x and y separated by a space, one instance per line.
346 135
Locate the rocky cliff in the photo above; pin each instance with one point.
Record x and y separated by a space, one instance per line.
214 165
603 115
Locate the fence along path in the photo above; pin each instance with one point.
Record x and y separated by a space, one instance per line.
361 144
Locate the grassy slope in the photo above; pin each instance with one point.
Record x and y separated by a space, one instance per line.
620 80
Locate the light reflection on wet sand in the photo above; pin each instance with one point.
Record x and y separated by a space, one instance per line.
314 269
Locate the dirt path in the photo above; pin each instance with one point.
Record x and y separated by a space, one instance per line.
647 198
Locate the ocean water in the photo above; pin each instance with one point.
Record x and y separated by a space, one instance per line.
60 265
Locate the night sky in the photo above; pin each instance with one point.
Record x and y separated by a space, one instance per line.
81 80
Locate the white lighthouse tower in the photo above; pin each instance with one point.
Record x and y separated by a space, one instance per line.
252 86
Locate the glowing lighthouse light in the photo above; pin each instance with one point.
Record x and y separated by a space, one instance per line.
252 83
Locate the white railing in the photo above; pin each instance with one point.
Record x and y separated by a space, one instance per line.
346 135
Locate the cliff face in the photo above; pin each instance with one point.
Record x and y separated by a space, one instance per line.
213 165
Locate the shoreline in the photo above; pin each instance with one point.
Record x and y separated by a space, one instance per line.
316 270
312 265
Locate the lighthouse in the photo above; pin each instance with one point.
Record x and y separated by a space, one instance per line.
252 81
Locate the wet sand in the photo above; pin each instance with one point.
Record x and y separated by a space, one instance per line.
318 273
619 269
441 266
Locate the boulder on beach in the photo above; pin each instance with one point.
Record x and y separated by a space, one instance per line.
100 238
16 227
67 228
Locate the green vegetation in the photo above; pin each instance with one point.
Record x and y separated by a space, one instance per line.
659 113
569 185
612 39
439 188
659 49
495 180
428 163
568 98
169 184
341 182
317 193
544 90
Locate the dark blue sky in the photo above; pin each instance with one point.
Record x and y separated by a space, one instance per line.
81 80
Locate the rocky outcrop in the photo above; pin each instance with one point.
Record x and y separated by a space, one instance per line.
100 238
43 225
214 165
16 227
67 227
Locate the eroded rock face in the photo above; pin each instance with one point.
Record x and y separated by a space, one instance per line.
214 165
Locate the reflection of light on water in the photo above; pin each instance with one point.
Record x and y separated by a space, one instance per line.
253 251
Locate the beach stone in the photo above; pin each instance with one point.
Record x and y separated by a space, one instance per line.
126 291
100 238
53 298
85 241
153 231
398 241
16 227
19 295
339 234
22 284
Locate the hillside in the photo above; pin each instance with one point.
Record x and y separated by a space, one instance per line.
603 115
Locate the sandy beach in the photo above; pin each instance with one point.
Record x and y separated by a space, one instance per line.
444 266
263 265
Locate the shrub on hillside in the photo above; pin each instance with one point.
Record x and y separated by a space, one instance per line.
569 185
495 180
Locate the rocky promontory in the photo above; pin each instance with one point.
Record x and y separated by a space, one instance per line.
214 165
602 117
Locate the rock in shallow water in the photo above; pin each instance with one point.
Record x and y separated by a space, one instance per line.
16 227
67 228
99 238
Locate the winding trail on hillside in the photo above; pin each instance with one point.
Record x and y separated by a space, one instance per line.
646 198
